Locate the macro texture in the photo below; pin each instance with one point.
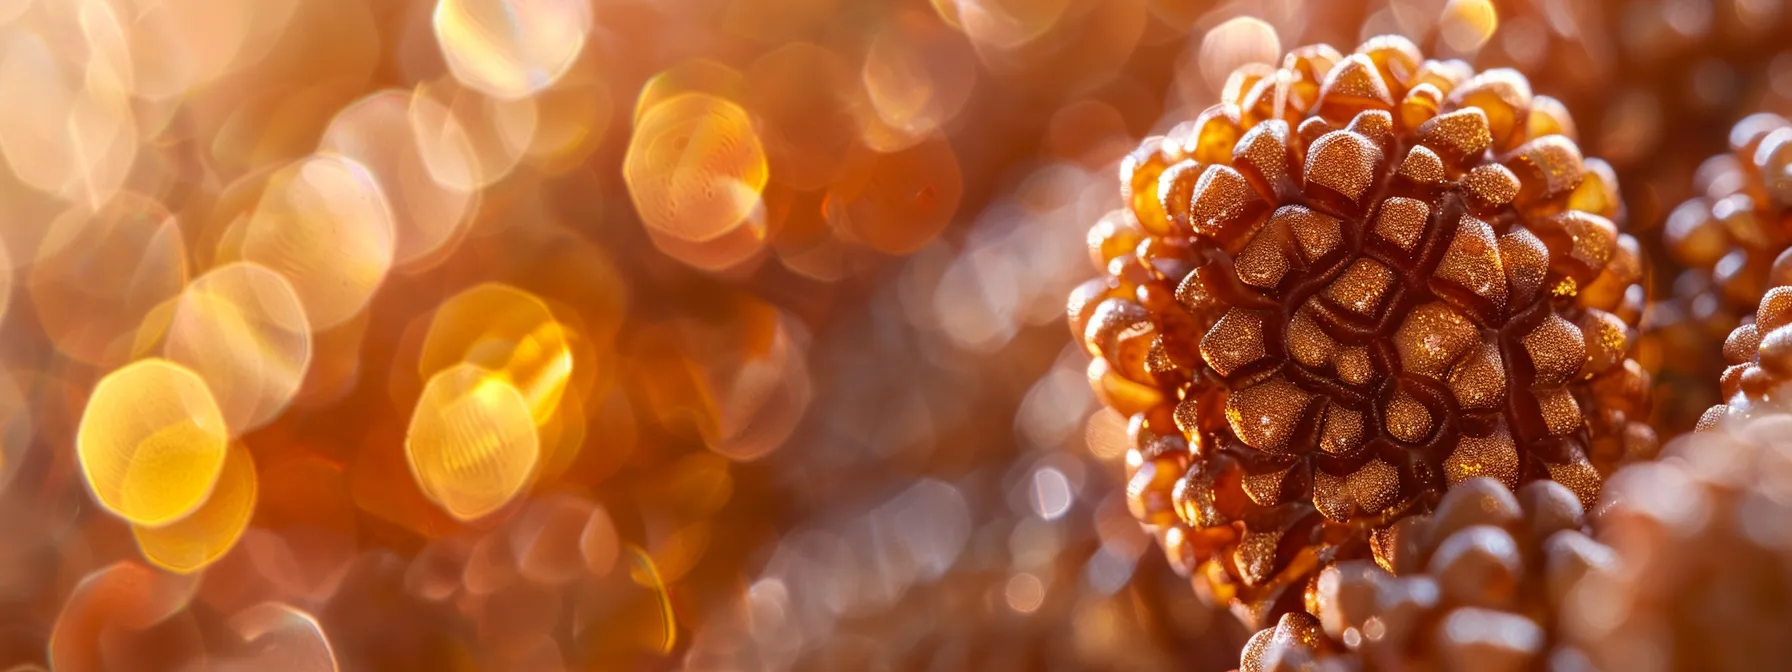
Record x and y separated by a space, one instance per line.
1759 354
1731 238
1357 281
1476 585
1733 235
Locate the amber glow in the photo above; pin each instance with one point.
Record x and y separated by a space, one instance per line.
731 334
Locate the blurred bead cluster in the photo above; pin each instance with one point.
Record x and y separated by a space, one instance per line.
728 334
1476 585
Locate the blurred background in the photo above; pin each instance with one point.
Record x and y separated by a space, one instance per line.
709 334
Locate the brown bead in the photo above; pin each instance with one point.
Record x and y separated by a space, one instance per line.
1138 185
1776 353
1291 645
1353 85
1476 501
1732 237
1148 492
1699 533
1504 96
1485 640
1399 279
1550 508
1478 566
1111 237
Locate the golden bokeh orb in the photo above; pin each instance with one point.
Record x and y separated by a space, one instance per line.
509 332
511 48
191 543
151 442
472 444
695 167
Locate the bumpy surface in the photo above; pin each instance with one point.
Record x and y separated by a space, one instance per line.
1759 354
1732 239
1704 538
1734 235
1476 585
1359 280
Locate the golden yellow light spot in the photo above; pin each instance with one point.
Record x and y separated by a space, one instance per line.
242 329
511 48
472 445
191 543
1467 24
695 167
151 442
324 223
1564 287
663 635
508 332
697 75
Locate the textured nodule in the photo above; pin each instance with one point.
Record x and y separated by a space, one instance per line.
1733 238
1735 231
1759 359
1477 584
1359 280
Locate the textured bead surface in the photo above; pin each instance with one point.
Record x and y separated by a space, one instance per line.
1360 295
1476 585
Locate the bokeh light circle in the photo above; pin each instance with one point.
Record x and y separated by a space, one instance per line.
79 136
913 81
1234 43
472 444
507 331
511 48
199 539
242 328
696 75
427 214
151 442
467 140
796 93
325 224
283 638
1468 24
695 167
903 202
